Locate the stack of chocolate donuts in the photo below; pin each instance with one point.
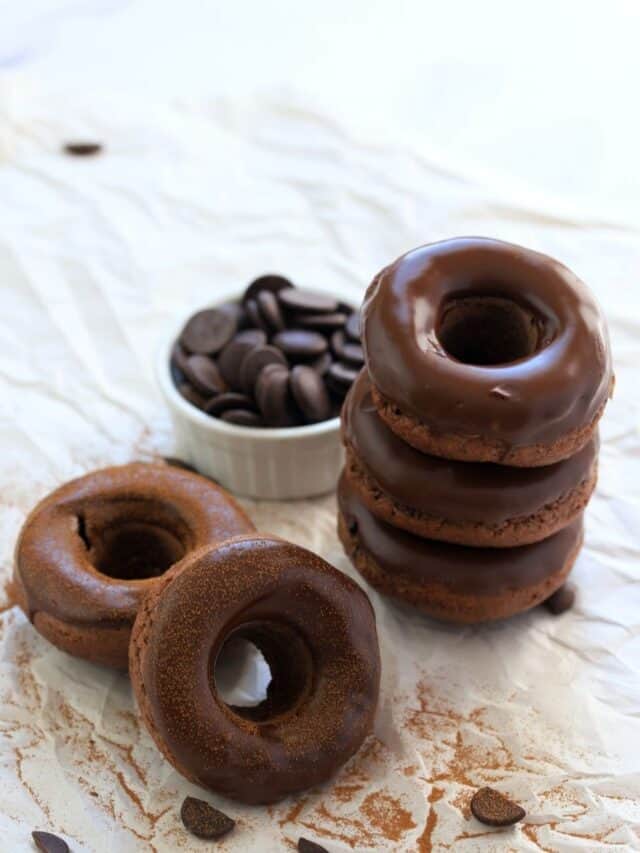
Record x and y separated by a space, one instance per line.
471 434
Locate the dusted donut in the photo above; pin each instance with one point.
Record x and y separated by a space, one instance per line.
484 351
89 552
468 503
452 582
316 630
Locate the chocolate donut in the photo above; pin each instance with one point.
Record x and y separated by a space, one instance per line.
483 351
468 503
89 552
316 630
453 582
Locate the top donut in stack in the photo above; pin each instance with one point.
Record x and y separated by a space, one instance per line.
477 352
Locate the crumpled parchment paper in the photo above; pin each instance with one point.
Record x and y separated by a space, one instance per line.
97 256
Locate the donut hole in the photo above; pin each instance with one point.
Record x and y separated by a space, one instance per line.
242 675
136 551
132 540
489 330
262 671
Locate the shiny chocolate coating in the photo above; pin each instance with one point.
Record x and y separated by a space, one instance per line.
316 630
537 398
456 491
464 570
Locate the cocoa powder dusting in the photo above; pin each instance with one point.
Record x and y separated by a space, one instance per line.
387 815
350 812
292 815
463 750
458 749
345 793
89 755
425 842
411 797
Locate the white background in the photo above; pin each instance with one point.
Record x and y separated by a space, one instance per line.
321 140
544 94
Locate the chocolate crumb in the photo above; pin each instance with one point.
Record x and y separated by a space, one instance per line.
49 843
203 821
493 808
306 846
562 599
82 149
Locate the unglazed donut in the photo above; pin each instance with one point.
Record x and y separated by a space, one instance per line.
452 582
316 630
89 552
484 351
468 503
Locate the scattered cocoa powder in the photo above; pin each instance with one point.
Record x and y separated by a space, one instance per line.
454 748
133 796
387 815
126 750
329 825
292 815
425 842
459 751
345 793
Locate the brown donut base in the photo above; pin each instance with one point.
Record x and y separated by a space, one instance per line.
478 448
438 600
138 644
524 530
107 645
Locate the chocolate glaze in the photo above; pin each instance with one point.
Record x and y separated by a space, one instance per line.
473 571
535 399
64 536
456 491
317 631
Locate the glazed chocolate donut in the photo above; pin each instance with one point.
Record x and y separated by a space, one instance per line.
453 583
468 503
316 630
89 552
484 351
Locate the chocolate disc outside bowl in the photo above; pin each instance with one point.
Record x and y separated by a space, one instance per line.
289 463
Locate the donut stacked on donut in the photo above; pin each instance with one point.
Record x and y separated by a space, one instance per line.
471 435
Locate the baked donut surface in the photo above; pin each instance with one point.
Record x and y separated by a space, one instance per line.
481 350
89 552
453 583
316 630
468 503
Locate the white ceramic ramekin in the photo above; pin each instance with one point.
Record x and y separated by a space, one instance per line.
273 464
